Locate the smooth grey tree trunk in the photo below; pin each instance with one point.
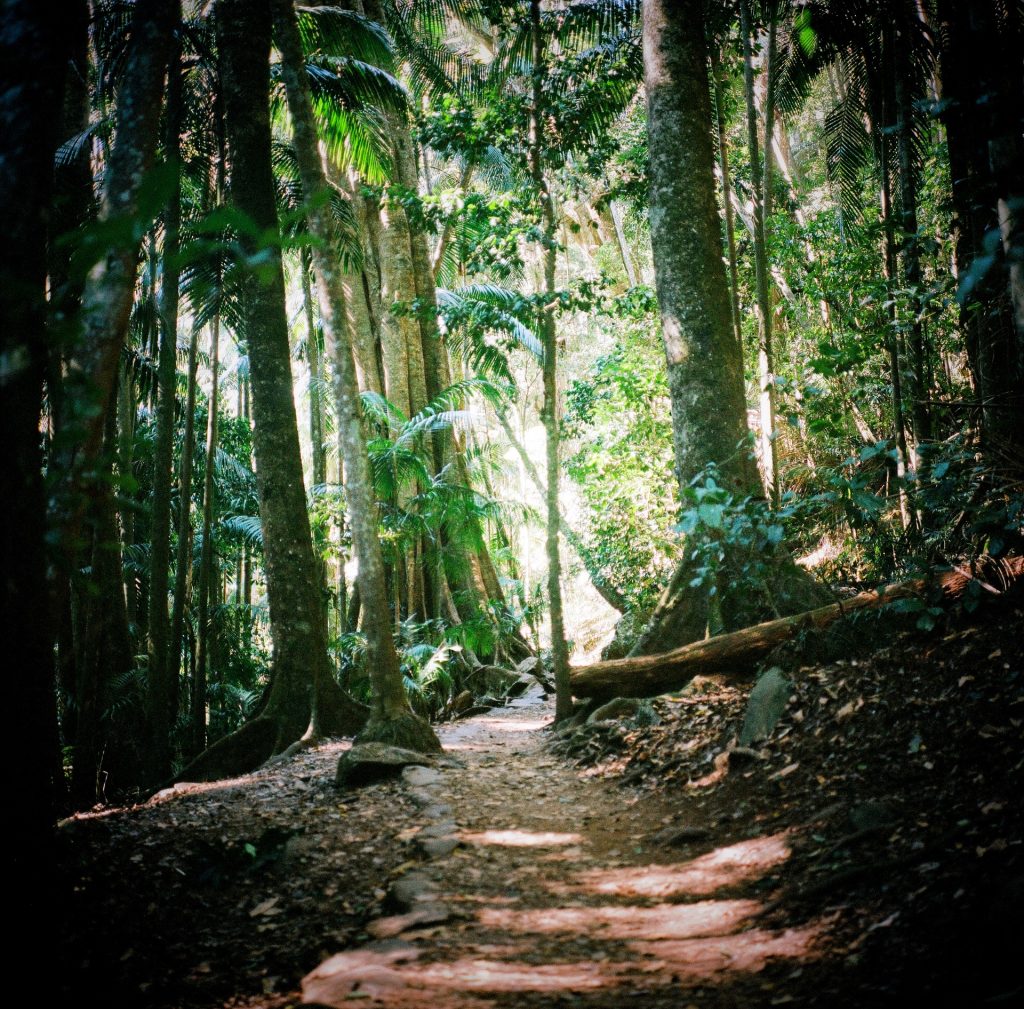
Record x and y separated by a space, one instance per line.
559 648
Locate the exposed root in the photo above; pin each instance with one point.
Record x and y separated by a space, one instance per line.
238 753
406 730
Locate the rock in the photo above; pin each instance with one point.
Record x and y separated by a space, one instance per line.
437 811
369 762
495 679
767 702
409 891
519 687
462 702
676 837
437 847
627 632
424 914
422 796
477 709
529 666
442 829
418 776
619 707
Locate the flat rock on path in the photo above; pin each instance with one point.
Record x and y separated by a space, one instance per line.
542 886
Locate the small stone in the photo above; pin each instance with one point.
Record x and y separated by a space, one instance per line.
437 811
418 776
442 829
411 890
438 847
422 796
871 815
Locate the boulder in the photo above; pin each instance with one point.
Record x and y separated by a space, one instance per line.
369 762
765 706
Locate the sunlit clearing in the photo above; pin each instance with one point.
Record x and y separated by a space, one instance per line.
520 838
717 869
666 921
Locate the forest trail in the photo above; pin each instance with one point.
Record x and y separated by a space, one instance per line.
869 854
559 890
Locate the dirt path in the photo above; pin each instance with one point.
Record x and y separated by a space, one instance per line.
558 891
869 854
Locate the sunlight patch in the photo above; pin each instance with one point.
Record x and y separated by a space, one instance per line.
737 863
666 921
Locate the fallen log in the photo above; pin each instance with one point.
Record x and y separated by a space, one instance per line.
739 652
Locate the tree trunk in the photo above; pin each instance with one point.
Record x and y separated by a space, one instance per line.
705 366
391 718
739 653
110 287
203 629
183 562
730 225
559 648
162 670
760 184
982 115
34 50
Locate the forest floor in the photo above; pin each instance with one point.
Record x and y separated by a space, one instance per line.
869 853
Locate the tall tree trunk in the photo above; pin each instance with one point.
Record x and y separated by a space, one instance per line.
110 287
34 50
559 648
982 114
881 127
183 560
759 185
730 224
391 718
160 685
203 629
705 366
910 251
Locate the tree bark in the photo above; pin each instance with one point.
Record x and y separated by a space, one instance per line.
203 629
391 718
34 50
705 366
301 671
549 252
183 561
737 654
162 669
760 182
110 288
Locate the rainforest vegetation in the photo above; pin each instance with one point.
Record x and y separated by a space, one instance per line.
356 354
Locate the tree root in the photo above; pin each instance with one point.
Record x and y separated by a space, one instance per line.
406 730
242 751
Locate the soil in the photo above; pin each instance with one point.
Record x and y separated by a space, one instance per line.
869 853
